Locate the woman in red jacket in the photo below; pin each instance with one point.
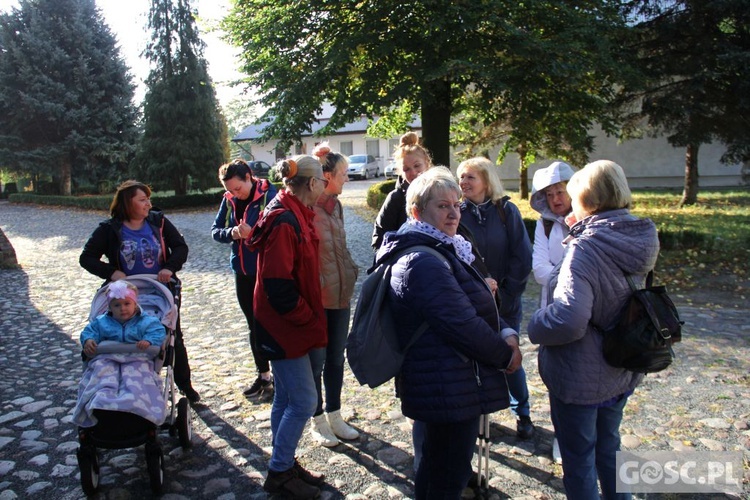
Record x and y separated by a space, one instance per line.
289 316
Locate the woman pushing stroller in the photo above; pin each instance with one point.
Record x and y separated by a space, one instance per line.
138 239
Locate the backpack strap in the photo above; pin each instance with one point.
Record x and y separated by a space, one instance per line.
432 251
548 225
500 205
649 281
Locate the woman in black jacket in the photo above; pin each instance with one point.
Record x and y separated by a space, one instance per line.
137 239
411 160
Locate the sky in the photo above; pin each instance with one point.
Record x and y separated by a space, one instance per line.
128 22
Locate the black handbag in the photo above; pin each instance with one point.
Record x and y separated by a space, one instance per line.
641 340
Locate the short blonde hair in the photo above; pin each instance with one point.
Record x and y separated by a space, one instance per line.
600 186
488 172
420 191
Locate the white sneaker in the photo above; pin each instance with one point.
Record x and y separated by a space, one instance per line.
340 428
321 432
556 451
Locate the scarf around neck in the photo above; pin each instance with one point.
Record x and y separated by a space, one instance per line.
461 246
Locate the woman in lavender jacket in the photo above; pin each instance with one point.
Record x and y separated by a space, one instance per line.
587 291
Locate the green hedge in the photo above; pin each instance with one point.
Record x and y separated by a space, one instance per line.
377 193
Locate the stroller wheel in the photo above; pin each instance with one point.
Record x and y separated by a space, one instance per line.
183 423
88 463
155 466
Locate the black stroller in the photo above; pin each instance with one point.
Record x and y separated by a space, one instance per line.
120 429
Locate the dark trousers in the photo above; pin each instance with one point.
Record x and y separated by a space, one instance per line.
181 365
445 467
244 285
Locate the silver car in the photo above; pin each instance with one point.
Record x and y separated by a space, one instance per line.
390 170
363 166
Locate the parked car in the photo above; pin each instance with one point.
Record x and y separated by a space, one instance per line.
363 166
260 169
390 170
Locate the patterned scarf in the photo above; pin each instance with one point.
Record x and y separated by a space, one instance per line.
462 247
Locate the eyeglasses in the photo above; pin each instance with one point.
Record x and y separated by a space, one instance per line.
324 181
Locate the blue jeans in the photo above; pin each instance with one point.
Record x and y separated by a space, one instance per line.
329 360
517 387
519 392
293 404
589 438
445 468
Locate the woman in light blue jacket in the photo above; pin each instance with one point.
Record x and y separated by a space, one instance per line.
587 291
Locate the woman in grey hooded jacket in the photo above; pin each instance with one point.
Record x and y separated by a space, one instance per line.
587 292
550 198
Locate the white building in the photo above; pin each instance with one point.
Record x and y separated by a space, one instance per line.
647 162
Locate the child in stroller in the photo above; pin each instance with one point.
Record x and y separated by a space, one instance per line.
125 381
121 400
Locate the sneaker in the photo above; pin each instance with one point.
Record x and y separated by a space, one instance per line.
341 429
556 456
321 432
259 388
191 394
290 484
524 427
310 477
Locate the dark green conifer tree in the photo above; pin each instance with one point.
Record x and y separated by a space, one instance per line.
65 94
184 138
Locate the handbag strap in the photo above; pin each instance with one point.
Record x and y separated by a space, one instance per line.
648 306
649 281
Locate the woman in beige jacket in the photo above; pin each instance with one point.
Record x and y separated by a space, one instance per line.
338 272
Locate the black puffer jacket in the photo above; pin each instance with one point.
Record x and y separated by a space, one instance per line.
452 373
107 238
392 214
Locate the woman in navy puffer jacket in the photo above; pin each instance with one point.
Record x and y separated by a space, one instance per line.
453 373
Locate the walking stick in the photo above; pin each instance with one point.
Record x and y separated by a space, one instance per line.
486 420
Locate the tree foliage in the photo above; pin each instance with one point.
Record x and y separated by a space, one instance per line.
539 72
185 136
65 94
695 55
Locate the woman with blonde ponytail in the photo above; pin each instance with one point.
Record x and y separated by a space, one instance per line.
337 277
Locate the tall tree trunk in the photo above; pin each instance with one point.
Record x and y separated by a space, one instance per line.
180 185
523 173
690 192
436 121
65 178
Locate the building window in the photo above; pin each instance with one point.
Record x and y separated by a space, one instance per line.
346 148
373 148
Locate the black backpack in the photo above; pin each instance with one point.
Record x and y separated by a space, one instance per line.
641 339
373 349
